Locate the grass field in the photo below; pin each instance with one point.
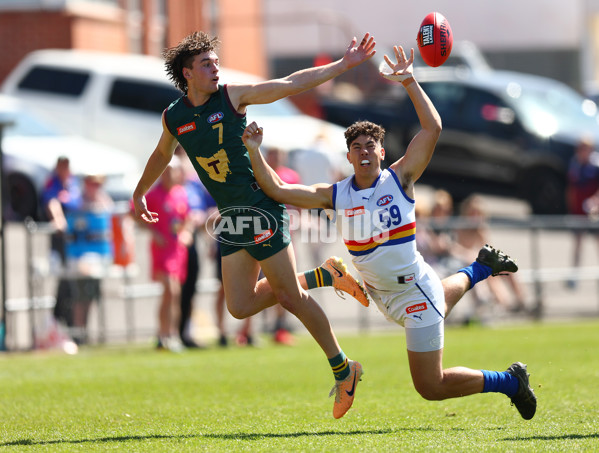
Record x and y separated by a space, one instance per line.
275 398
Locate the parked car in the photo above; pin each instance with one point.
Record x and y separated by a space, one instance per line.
118 99
504 133
30 149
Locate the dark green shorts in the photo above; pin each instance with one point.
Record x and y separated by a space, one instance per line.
261 230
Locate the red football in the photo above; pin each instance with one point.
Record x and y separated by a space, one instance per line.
435 39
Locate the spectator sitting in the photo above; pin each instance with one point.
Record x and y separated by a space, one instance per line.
468 240
582 192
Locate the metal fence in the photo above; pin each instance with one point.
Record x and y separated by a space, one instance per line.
126 309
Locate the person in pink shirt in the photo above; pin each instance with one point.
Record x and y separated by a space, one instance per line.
276 160
170 238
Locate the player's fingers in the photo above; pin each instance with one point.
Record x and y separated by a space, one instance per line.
366 40
402 53
389 62
352 44
412 55
149 217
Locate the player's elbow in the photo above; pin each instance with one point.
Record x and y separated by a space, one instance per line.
436 127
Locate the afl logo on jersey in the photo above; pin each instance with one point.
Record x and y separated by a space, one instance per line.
216 117
384 200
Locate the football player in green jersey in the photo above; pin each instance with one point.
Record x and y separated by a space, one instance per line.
208 120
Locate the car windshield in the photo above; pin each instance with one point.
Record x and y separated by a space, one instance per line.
23 123
553 110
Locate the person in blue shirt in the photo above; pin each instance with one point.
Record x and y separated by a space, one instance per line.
61 194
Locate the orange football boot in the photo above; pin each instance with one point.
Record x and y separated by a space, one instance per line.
345 390
344 281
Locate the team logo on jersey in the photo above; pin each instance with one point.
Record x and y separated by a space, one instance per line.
355 211
216 166
186 128
215 117
417 307
384 200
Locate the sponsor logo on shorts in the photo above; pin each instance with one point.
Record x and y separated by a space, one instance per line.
263 237
384 200
417 307
186 128
215 117
355 211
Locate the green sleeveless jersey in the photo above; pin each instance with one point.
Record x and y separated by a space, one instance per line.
211 134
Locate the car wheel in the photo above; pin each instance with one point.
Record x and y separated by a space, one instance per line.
22 198
545 190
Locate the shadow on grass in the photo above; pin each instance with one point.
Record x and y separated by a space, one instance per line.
562 437
231 436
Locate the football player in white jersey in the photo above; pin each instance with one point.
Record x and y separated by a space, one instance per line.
374 211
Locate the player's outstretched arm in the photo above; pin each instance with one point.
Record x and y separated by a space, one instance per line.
316 196
272 90
420 150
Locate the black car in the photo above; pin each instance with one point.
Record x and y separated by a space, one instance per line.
504 133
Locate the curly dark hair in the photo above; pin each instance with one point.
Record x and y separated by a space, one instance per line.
181 56
364 128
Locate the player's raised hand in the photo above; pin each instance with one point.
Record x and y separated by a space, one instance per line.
252 136
399 70
357 54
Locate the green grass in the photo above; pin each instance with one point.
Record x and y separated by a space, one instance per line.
275 398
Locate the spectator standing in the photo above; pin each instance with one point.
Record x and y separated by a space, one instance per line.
62 193
582 194
170 239
88 250
201 204
276 159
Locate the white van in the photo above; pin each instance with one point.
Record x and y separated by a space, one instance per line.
118 99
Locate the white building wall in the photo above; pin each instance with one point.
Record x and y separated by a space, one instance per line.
306 26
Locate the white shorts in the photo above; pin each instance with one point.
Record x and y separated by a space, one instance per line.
419 303
425 339
419 306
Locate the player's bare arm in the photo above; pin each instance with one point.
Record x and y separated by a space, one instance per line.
272 90
316 196
410 167
155 166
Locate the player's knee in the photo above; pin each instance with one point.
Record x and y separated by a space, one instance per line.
239 311
287 300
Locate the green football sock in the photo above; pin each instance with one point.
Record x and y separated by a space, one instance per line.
317 278
340 366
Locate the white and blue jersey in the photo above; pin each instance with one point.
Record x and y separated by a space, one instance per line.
378 226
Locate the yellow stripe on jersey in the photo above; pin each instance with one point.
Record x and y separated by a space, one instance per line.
402 234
